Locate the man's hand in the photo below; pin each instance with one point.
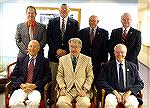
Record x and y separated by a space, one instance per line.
82 93
28 87
125 96
60 52
63 92
118 96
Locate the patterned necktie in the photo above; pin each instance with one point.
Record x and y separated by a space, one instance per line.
63 26
30 71
74 62
91 35
121 78
124 36
31 32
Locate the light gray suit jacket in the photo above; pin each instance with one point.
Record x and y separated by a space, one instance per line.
22 37
82 77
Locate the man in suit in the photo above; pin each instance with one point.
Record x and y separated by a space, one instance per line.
97 47
29 77
30 30
59 31
74 77
121 81
127 36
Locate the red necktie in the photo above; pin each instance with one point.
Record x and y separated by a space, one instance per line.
124 36
30 71
91 35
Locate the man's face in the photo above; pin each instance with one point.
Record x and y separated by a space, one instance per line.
74 48
93 21
126 20
33 48
30 12
64 11
120 53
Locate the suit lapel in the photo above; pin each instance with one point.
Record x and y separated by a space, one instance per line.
114 70
25 67
26 32
69 62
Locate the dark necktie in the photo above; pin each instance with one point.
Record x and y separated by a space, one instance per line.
124 36
63 26
91 35
31 32
74 62
30 71
121 78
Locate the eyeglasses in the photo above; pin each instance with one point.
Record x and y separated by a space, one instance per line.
122 52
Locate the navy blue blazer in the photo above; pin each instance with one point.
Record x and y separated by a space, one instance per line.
54 37
41 74
108 79
98 50
133 44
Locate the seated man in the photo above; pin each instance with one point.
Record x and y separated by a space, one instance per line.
74 77
29 77
121 81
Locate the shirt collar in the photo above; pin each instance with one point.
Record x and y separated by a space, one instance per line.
65 19
33 23
30 57
123 62
127 29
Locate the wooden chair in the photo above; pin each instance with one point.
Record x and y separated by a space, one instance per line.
8 88
118 106
93 99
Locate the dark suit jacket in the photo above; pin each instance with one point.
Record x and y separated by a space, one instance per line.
22 37
133 43
54 37
41 74
108 79
98 50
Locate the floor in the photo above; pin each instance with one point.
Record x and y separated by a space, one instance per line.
145 75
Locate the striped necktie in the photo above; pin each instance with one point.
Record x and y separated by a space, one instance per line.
30 71
124 36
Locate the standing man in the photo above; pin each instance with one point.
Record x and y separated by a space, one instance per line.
29 77
121 81
30 30
95 44
127 36
59 31
75 77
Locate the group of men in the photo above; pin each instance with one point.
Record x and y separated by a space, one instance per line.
74 72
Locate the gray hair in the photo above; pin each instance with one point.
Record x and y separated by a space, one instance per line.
76 40
120 45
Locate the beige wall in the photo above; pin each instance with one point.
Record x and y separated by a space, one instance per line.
144 27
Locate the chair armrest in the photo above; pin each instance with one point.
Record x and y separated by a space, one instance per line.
103 98
46 91
8 88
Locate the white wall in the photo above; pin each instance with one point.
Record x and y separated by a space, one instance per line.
13 13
